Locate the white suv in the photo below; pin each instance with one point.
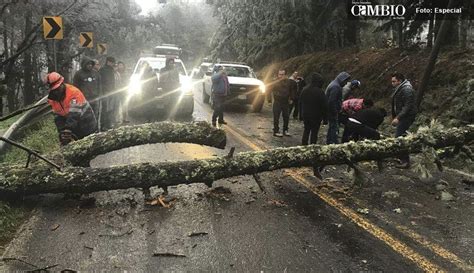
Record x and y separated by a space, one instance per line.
245 88
180 102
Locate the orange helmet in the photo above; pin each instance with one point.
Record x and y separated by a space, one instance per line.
54 80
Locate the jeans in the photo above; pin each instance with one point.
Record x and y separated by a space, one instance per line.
333 131
218 105
281 107
294 107
401 131
311 130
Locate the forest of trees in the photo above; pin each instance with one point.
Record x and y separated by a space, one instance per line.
258 32
255 31
25 56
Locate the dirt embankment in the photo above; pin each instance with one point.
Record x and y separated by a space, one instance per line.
450 96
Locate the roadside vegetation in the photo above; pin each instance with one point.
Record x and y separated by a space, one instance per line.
42 137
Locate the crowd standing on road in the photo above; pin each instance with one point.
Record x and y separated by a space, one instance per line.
339 105
92 102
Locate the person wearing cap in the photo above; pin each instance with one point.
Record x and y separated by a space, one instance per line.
87 80
220 90
107 82
74 117
348 89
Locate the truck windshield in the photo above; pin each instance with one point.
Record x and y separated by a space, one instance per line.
235 71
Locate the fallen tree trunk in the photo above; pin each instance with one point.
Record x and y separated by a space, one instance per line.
41 179
80 153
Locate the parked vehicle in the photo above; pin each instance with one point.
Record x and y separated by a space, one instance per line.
245 88
167 50
146 97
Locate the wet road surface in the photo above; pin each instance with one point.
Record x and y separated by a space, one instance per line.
290 222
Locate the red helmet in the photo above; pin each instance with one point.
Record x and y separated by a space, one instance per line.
54 80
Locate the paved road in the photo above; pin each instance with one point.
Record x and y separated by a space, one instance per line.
290 222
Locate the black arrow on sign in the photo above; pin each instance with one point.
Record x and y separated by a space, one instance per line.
87 41
55 28
102 48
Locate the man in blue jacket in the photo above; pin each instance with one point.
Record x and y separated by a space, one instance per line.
220 90
334 95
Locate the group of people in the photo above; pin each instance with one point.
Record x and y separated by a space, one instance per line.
337 105
91 102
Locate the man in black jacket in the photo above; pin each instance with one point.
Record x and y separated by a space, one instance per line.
283 91
107 79
88 81
314 108
403 110
295 106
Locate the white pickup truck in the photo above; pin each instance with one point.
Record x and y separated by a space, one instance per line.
245 88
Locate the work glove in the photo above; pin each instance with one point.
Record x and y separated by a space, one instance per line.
66 136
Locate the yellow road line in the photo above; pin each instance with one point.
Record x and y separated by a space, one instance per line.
435 248
376 231
422 240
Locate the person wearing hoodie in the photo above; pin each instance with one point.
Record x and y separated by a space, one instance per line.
314 108
88 81
403 110
349 88
334 96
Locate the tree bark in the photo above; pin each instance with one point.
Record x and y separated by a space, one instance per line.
433 56
79 153
28 94
463 33
42 179
429 37
401 43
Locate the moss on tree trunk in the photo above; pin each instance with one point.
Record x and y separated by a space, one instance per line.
42 179
80 153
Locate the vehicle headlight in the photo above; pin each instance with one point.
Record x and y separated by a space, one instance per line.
135 87
262 88
186 87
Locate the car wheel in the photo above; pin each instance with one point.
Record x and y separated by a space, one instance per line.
205 96
188 111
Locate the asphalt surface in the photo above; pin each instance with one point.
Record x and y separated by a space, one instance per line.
279 224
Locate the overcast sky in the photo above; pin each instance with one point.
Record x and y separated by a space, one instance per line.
147 5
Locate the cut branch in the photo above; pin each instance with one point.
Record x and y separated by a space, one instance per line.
81 152
18 181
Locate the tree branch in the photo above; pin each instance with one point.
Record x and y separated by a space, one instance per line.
79 153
